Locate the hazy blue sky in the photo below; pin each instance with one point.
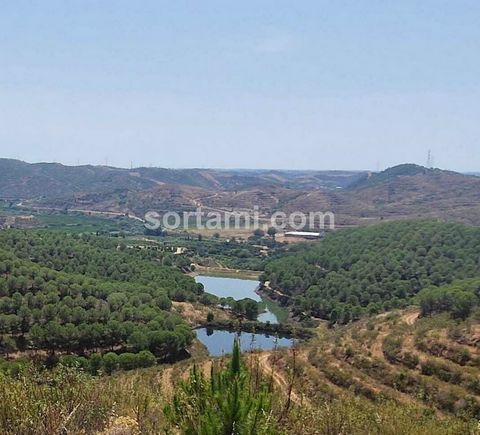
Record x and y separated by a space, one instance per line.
278 84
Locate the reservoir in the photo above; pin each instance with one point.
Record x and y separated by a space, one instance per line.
220 342
239 289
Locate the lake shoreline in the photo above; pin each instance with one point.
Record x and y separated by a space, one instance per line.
270 328
219 342
281 329
239 289
267 295
223 272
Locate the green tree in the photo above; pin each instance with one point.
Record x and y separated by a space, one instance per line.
110 362
272 232
95 363
8 345
251 309
259 233
228 403
127 361
146 359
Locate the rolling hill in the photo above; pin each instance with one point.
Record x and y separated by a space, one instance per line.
21 180
357 198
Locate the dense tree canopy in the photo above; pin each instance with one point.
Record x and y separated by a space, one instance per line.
84 293
457 298
375 268
97 257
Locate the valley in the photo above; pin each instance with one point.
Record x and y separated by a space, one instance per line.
356 198
240 218
387 314
381 313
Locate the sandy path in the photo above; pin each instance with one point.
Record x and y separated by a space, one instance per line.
411 317
167 383
266 366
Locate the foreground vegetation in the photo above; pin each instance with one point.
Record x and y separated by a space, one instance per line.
234 396
229 401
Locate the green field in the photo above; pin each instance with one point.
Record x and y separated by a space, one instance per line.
82 223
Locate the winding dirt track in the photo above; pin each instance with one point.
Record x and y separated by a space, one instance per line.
269 370
377 347
411 318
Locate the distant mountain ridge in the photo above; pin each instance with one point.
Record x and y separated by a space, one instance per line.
356 197
28 180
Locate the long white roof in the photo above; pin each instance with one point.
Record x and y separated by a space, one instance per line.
302 233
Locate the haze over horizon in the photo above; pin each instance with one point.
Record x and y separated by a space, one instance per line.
473 172
315 85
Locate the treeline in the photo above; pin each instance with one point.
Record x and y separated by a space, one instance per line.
231 253
368 270
243 308
52 298
282 330
95 364
109 362
458 298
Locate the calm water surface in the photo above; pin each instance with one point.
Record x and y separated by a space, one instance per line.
239 289
220 342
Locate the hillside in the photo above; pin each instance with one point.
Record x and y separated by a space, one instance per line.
356 198
404 191
61 293
20 180
411 190
427 361
326 395
391 174
122 315
367 270
426 357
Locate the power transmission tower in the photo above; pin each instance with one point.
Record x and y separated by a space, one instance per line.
430 159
